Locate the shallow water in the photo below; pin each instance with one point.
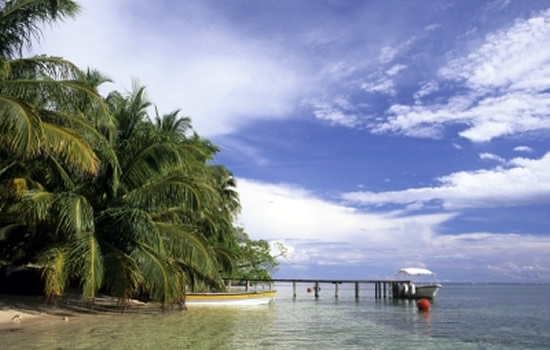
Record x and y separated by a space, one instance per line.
463 317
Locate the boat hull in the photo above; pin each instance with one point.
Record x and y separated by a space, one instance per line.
426 291
237 298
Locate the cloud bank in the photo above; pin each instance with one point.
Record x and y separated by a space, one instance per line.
523 181
321 232
505 89
218 77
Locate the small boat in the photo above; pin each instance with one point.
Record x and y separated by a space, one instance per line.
230 298
419 287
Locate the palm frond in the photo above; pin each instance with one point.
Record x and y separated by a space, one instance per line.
149 164
20 21
189 247
34 207
42 66
20 125
73 214
62 174
122 275
225 260
66 144
162 279
50 92
171 191
87 261
55 273
127 226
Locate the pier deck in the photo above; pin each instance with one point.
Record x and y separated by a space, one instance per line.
382 288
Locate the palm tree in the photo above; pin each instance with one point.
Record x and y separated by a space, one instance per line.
93 190
21 20
40 130
118 229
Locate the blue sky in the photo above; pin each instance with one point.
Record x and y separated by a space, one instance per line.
366 136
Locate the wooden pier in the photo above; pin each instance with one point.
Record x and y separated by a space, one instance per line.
382 288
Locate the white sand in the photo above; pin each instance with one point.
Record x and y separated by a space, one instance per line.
10 316
19 310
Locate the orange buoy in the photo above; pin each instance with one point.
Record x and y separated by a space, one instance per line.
423 304
309 289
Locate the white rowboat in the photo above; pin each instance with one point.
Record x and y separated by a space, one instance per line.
230 298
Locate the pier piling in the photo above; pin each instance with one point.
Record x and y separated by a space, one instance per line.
382 288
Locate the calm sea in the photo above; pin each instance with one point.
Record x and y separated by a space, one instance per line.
464 316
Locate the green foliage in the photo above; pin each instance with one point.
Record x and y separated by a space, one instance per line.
254 258
99 194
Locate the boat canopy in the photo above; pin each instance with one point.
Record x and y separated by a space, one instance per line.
415 271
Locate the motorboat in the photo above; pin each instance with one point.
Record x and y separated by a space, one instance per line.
423 283
230 298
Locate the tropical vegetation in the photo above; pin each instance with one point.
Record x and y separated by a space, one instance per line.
103 192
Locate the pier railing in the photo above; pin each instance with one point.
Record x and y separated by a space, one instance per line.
382 288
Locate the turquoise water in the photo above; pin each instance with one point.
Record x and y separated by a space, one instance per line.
462 317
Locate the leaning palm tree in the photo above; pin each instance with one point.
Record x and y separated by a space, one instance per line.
117 229
92 190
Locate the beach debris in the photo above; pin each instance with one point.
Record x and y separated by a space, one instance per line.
16 319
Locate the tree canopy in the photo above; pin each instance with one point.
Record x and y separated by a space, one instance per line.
97 192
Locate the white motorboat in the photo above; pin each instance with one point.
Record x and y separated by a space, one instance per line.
423 283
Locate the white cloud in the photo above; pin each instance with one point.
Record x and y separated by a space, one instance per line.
523 149
310 224
487 118
508 58
432 26
322 232
426 88
490 156
498 4
388 53
506 80
526 181
383 81
220 78
395 69
340 112
528 253
382 85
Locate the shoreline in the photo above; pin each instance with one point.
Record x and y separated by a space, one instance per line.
18 310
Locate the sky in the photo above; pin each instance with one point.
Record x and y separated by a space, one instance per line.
365 136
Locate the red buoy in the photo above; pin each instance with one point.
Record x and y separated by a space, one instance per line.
423 304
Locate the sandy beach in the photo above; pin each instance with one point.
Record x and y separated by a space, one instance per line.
16 310
11 316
